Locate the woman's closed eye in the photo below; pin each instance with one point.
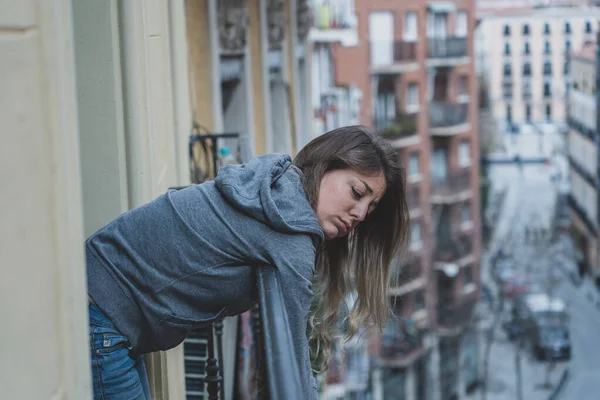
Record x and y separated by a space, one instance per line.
356 194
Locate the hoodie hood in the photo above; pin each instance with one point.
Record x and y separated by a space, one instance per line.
269 189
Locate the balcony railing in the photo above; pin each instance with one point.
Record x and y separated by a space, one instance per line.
455 314
451 249
277 370
400 338
448 47
388 52
402 126
455 182
443 114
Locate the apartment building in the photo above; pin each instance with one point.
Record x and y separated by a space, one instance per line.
413 64
99 100
523 57
582 145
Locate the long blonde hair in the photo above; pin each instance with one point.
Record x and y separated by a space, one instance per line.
361 261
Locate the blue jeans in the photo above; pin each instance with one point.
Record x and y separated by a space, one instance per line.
115 374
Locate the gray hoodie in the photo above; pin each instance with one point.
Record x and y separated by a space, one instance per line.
188 257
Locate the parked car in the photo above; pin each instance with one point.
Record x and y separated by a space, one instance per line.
543 324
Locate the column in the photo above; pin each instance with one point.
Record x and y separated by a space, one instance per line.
42 278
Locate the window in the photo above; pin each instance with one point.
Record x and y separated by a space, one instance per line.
464 153
507 69
527 69
413 165
567 46
461 24
588 27
547 68
547 49
506 30
419 300
465 213
507 49
528 112
467 275
526 30
410 27
463 85
526 49
412 97
566 68
415 235
547 89
508 113
507 90
546 28
548 112
526 90
567 28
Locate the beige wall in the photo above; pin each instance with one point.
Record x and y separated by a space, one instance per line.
43 305
492 31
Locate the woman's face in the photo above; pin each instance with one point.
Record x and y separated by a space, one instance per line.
346 197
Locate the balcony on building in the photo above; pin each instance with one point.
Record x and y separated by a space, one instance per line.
447 51
450 187
401 342
453 249
393 56
400 129
334 23
447 119
407 275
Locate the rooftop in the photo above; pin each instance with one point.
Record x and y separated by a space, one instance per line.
531 12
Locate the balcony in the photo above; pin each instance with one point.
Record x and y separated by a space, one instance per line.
455 186
389 57
401 342
398 129
455 314
453 250
447 119
334 24
448 51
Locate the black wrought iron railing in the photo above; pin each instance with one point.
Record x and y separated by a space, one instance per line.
277 374
447 47
401 51
399 127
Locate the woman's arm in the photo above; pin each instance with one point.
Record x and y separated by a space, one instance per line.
294 259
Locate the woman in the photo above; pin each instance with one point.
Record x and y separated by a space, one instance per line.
336 216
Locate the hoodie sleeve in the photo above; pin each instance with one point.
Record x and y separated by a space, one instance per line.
294 257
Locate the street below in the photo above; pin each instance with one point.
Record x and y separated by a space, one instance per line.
546 263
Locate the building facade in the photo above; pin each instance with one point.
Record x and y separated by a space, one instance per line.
582 146
413 64
523 57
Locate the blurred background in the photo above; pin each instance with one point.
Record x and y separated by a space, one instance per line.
491 104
